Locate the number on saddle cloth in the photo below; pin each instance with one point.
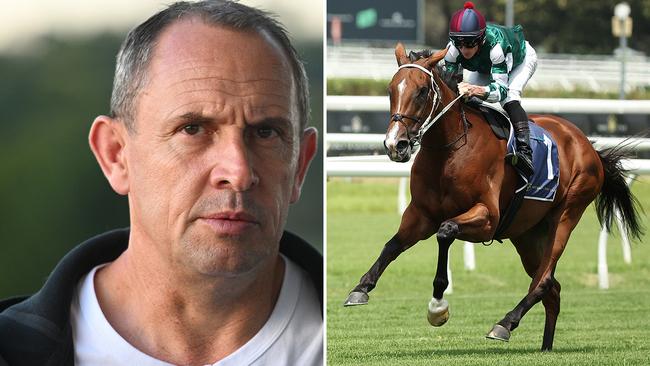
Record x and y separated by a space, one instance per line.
543 184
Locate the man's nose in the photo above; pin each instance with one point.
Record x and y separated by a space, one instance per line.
233 168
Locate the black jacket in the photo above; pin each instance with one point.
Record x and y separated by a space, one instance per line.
36 330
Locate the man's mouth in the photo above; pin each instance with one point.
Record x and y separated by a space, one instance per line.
230 222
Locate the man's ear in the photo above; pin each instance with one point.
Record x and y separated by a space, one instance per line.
308 146
107 140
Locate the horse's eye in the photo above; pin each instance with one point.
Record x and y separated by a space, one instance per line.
422 93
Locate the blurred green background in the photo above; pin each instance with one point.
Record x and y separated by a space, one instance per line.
52 193
551 26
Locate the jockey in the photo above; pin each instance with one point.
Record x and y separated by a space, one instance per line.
500 62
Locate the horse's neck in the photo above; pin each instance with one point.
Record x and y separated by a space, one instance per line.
460 132
450 125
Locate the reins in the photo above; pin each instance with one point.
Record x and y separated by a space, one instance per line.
428 123
465 127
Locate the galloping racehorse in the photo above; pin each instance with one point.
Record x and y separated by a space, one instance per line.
460 186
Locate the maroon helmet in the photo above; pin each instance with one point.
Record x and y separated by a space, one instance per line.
467 26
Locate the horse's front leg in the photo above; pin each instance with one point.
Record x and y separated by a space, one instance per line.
415 226
472 225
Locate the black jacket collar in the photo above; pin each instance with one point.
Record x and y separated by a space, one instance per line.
36 330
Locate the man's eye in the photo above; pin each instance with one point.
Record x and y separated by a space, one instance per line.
191 129
266 132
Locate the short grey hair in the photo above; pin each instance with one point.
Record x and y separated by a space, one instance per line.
137 49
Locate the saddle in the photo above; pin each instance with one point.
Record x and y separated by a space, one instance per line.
496 117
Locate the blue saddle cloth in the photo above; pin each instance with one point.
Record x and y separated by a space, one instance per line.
546 178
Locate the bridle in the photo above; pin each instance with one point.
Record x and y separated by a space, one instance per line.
428 123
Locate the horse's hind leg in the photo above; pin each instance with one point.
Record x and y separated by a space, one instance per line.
544 286
415 226
530 247
551 303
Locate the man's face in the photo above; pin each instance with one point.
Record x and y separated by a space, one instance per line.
468 52
215 159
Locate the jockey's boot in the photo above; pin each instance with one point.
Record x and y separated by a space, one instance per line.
523 159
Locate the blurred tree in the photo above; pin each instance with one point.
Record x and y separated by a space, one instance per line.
52 192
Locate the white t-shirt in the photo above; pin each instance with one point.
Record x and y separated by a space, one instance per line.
293 335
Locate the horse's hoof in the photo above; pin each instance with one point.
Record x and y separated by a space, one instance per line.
499 332
438 312
356 298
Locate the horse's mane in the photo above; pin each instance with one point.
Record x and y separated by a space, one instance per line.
448 78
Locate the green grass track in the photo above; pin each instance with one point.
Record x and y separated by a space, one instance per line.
595 327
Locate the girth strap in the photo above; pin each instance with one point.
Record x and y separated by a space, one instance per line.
512 209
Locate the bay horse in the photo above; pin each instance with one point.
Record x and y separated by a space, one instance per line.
460 185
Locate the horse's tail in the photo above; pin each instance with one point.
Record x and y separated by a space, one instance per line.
615 195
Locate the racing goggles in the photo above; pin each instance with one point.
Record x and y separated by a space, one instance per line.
465 40
459 43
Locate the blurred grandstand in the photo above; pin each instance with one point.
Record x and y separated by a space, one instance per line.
599 73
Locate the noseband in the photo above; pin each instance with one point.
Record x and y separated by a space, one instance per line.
398 117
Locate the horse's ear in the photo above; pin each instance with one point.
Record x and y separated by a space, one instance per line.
400 54
433 59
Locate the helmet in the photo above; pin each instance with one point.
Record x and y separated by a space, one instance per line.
467 26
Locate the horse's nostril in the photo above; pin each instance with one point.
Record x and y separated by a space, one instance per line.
402 146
